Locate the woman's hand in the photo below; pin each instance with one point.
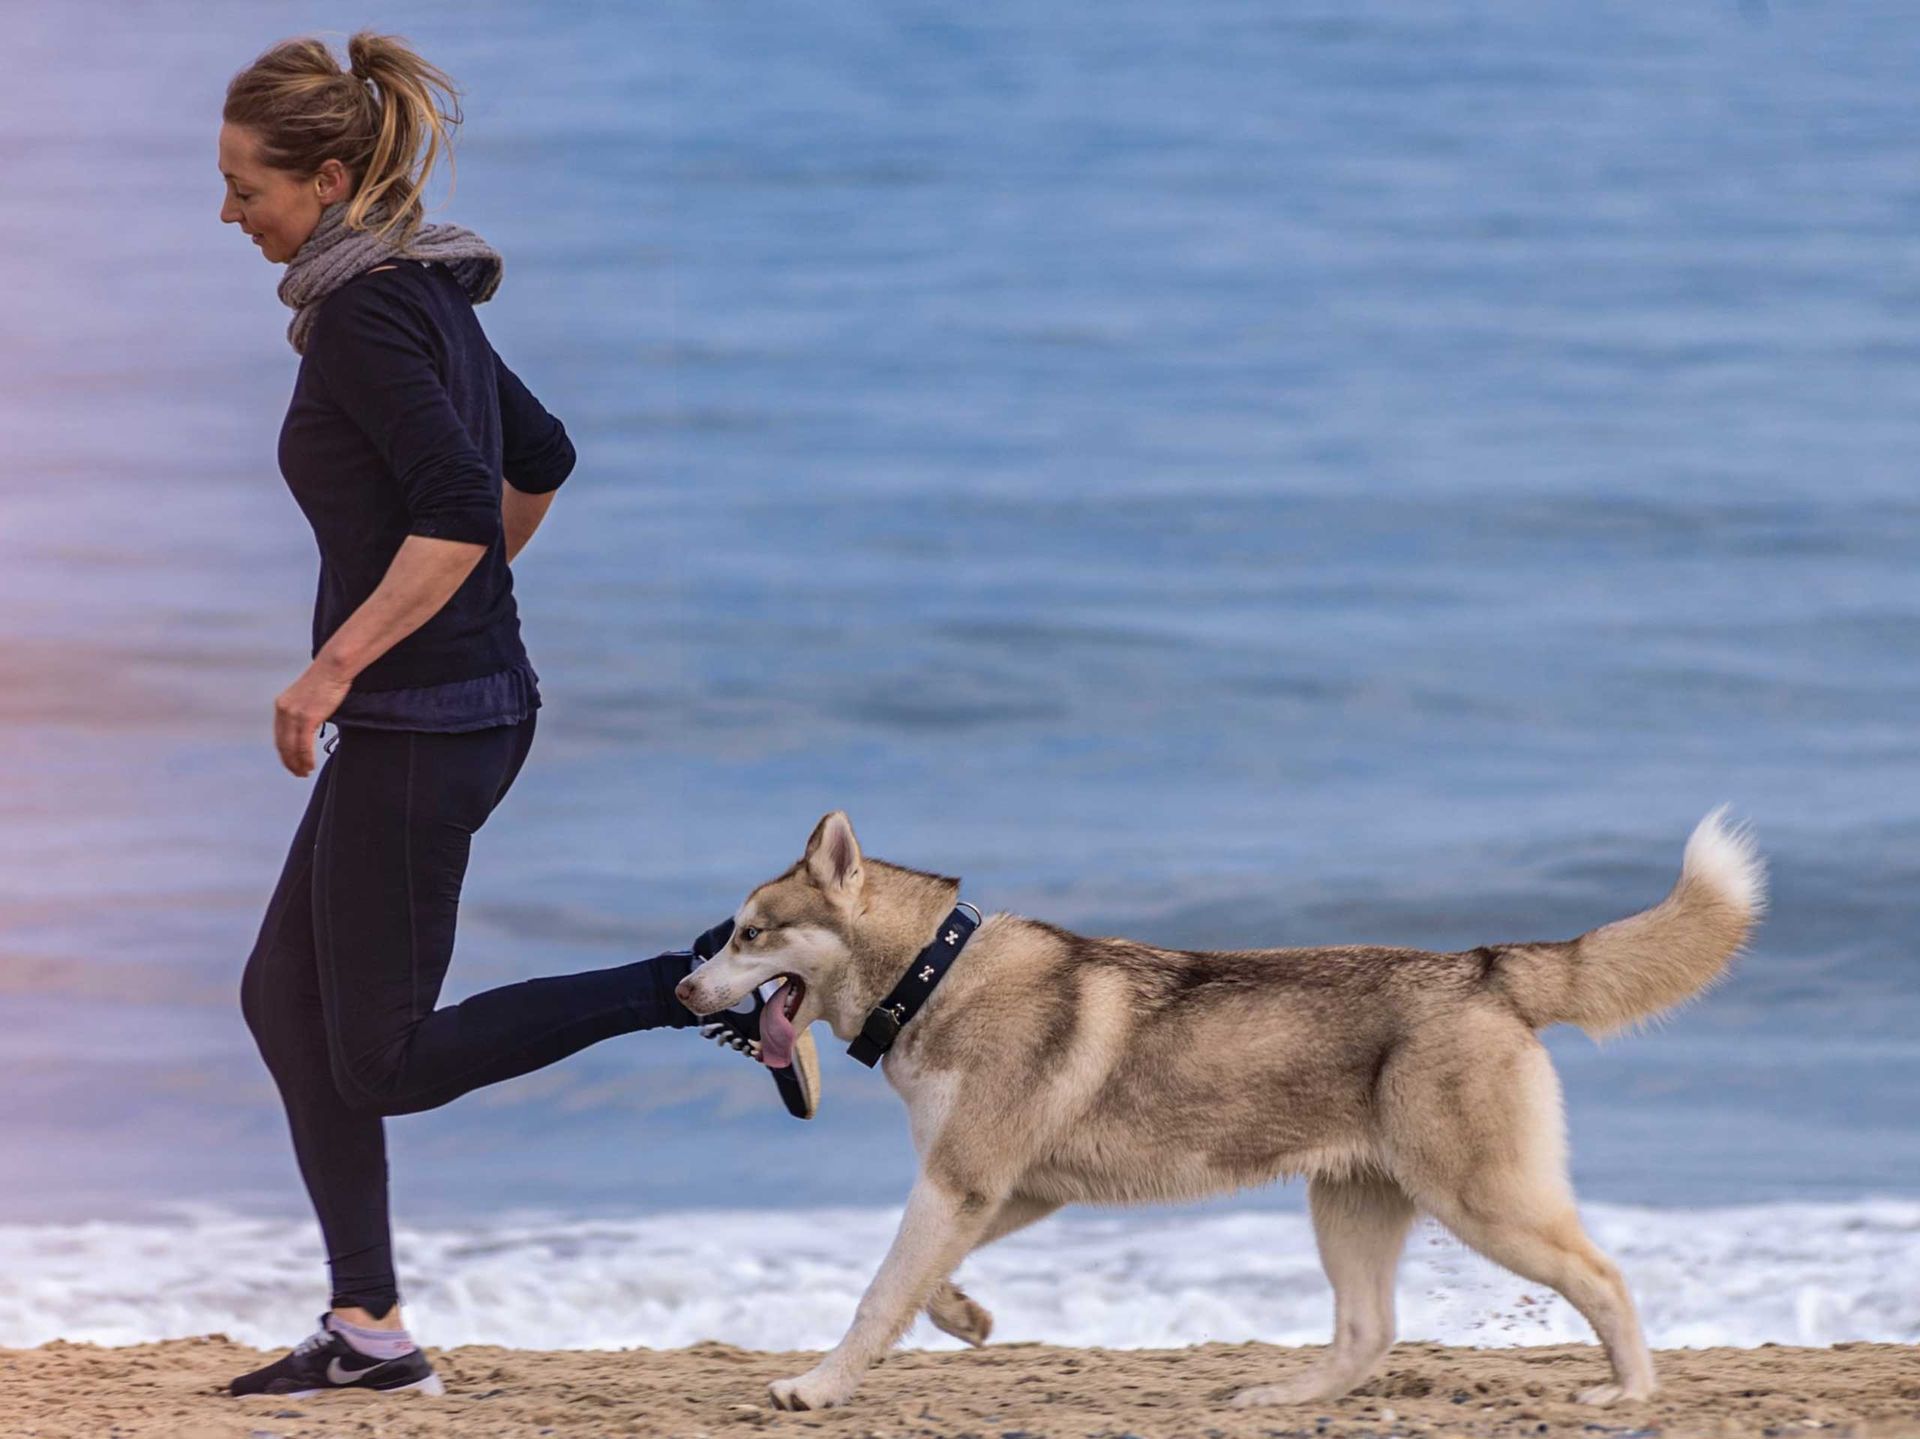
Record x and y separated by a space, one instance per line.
423 576
302 708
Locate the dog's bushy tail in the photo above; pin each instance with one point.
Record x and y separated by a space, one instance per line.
1632 969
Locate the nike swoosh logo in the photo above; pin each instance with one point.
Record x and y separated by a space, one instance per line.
338 1373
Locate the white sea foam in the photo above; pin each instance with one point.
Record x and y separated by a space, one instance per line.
1791 1273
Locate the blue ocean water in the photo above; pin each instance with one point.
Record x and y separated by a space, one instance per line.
1225 473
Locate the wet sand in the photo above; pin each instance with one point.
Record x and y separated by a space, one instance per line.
1014 1391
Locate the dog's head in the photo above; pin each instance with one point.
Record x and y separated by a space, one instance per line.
798 928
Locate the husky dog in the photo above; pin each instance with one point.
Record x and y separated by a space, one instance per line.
1049 1069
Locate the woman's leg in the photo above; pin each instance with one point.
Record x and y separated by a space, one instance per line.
391 854
342 1151
384 837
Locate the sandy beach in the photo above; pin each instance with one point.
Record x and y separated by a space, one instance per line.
1014 1391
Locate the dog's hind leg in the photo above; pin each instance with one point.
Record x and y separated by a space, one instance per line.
1549 1247
1478 1140
1361 1227
950 1309
940 1225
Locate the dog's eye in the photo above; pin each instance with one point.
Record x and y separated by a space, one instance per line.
749 934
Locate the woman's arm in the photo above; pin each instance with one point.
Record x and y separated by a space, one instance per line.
536 458
520 514
422 578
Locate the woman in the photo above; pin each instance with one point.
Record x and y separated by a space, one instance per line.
423 466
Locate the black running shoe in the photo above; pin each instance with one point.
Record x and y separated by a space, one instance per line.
324 1361
739 1029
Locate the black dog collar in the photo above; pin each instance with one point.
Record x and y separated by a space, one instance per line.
887 1018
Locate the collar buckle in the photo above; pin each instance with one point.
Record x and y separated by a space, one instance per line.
882 1027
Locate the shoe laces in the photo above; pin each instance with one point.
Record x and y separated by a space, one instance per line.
728 1038
319 1339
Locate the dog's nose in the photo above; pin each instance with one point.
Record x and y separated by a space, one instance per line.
683 991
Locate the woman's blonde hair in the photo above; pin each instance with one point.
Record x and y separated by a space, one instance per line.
387 117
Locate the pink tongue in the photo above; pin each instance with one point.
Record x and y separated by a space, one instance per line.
776 1031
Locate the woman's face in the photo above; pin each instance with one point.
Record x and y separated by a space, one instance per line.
276 207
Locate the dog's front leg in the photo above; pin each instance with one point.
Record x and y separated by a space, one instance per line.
937 1230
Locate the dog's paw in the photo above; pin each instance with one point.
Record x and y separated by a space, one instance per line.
812 1390
1301 1391
1602 1395
953 1313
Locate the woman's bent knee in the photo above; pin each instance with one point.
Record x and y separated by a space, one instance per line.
368 1084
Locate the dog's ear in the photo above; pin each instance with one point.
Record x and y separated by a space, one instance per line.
833 854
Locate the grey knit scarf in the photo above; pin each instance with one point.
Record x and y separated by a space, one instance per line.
334 254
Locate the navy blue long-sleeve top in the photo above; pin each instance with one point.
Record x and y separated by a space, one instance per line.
404 421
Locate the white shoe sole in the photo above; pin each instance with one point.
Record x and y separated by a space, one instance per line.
430 1386
806 1066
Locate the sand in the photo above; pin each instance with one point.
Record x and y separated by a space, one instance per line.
1013 1391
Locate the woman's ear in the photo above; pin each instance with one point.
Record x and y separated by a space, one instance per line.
331 181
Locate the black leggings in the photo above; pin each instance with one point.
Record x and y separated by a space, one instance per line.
340 989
